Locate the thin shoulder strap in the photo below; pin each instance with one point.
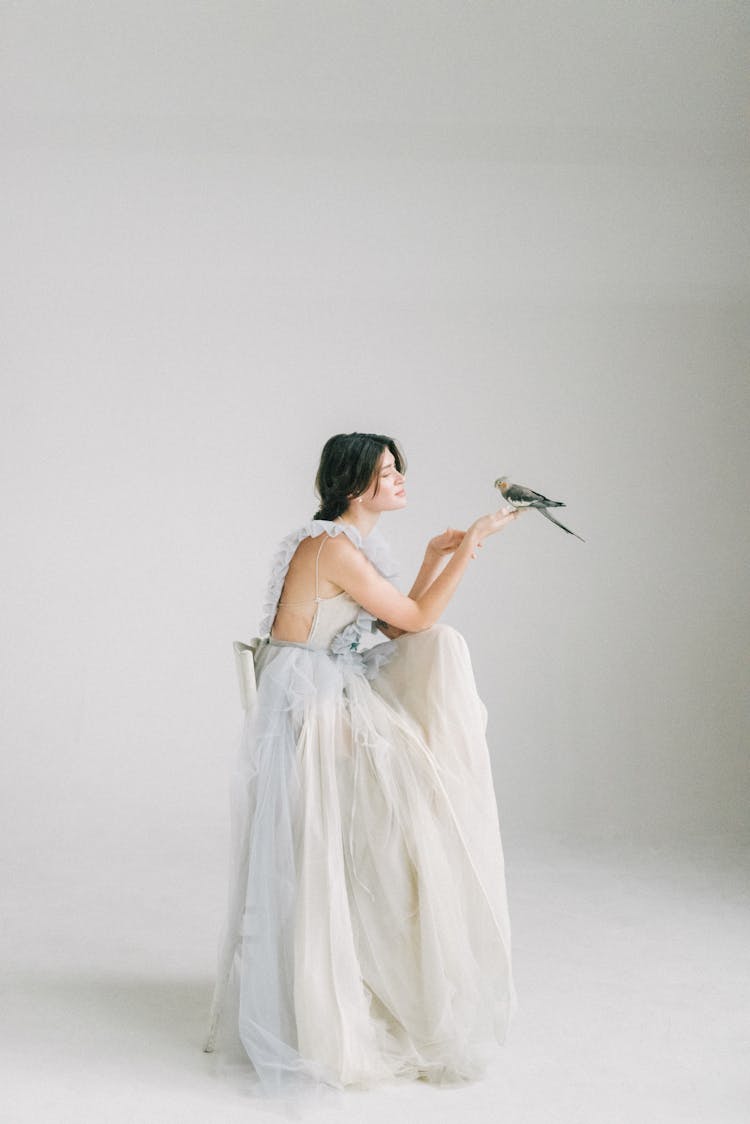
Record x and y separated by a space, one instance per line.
317 557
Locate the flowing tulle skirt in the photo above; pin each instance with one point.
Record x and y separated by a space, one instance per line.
368 883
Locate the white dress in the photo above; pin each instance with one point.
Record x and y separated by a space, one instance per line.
367 878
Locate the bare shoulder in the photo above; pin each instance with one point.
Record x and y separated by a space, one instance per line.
344 560
342 545
341 551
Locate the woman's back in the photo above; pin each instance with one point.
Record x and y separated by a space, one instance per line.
312 609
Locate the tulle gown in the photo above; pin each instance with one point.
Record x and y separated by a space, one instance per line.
367 879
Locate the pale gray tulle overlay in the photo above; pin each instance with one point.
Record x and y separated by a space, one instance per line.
367 875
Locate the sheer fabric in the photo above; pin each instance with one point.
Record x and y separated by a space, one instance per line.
367 877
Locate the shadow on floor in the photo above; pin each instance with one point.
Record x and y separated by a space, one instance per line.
126 1017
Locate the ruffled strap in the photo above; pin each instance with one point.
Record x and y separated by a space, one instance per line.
374 547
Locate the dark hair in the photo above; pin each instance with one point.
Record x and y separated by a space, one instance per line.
347 465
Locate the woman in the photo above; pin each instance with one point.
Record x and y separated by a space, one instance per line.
368 904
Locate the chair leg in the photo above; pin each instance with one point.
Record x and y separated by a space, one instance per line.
220 991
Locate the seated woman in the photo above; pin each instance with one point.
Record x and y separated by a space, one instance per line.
368 905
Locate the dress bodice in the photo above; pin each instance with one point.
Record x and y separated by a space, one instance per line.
332 616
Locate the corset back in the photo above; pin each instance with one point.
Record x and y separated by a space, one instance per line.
332 615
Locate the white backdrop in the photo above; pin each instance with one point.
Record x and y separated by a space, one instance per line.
512 235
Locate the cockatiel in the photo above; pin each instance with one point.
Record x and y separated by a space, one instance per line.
520 496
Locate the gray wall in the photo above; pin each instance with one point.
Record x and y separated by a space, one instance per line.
515 236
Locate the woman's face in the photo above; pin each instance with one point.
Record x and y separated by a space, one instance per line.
391 494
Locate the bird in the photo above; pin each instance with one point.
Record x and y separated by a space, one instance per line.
521 496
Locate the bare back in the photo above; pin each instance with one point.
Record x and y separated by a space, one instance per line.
305 585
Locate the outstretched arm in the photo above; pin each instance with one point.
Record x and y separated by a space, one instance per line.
435 556
354 573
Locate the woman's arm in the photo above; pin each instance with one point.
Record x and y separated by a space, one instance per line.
437 551
353 572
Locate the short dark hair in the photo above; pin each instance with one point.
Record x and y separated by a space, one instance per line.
347 465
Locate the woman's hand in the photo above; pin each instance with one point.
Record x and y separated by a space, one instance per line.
446 543
492 523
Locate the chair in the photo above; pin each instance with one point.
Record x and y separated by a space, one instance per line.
244 658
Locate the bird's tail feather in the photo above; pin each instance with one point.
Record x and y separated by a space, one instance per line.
543 511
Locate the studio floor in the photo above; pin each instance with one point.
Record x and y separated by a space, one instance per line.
631 966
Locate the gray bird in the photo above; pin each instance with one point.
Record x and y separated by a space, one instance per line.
521 496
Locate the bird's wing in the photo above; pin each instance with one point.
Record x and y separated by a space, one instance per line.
543 511
518 493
